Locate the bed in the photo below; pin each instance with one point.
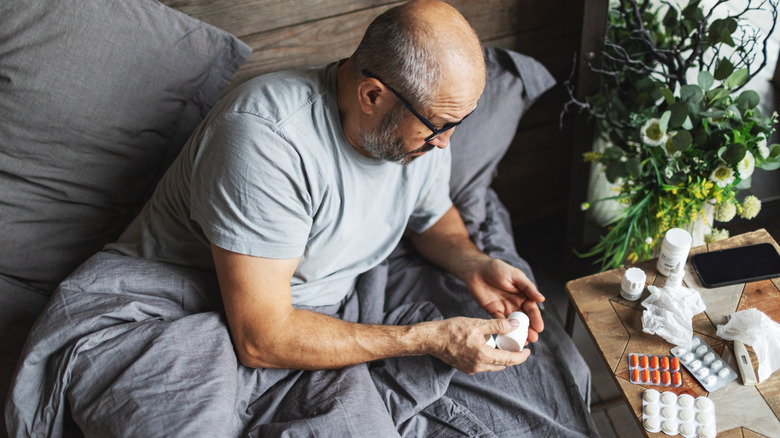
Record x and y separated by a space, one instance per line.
98 98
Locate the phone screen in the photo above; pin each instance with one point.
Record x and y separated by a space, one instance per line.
737 265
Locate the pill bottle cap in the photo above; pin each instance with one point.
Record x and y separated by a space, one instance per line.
520 317
677 240
633 284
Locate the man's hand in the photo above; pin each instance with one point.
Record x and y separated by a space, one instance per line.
461 343
502 289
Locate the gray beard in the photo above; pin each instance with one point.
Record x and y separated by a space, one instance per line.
385 143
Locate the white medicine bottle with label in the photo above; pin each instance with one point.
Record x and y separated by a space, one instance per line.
674 250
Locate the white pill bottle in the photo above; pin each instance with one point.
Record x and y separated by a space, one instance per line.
515 340
674 250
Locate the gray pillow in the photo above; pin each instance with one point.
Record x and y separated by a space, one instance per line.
98 96
514 83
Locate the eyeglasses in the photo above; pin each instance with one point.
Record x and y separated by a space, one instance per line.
435 132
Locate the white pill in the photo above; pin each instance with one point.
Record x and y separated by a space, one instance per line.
678 351
702 373
707 431
704 417
701 350
685 400
669 412
724 372
652 409
652 395
695 342
687 357
687 429
652 424
668 397
686 414
711 380
708 357
670 427
695 365
716 365
704 403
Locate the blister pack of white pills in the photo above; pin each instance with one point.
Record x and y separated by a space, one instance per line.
705 365
678 415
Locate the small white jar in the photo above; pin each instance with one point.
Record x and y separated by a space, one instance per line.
633 284
674 250
515 340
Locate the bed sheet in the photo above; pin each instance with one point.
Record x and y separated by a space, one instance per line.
133 347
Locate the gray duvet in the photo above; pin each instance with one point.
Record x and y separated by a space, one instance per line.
137 348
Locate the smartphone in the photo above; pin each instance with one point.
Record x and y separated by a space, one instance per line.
737 265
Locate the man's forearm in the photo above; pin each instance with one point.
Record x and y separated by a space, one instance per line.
309 340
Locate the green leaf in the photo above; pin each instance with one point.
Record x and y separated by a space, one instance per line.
748 99
613 153
713 113
634 167
705 80
668 95
663 122
682 140
723 69
688 124
616 170
737 79
670 19
734 153
717 94
734 113
774 151
679 112
691 93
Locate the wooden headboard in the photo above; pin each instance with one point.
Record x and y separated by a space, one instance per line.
533 178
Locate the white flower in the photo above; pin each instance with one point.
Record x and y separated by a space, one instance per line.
725 212
722 176
746 166
649 240
716 235
763 149
652 134
584 206
750 207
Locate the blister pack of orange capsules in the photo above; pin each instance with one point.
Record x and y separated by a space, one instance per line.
647 369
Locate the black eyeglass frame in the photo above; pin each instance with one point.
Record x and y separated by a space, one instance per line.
435 132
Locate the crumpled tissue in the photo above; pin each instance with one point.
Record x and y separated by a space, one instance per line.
752 327
669 312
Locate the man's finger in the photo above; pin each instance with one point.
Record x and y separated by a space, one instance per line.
534 316
525 285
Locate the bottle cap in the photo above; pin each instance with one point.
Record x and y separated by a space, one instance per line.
633 284
677 240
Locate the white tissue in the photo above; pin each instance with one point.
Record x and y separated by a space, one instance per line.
752 327
669 312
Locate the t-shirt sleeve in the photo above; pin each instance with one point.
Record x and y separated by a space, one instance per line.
249 190
434 198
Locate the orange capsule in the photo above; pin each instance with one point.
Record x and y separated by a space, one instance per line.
634 360
656 377
654 362
635 375
675 364
667 378
665 362
677 379
646 376
643 361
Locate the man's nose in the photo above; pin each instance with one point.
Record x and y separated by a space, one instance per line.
443 139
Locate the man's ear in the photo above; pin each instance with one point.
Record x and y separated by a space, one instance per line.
371 95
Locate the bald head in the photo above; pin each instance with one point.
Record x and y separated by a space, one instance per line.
420 47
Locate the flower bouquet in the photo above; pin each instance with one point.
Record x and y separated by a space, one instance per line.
683 136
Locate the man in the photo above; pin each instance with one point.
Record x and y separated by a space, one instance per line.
298 182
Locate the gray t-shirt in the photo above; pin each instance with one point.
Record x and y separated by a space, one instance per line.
269 173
